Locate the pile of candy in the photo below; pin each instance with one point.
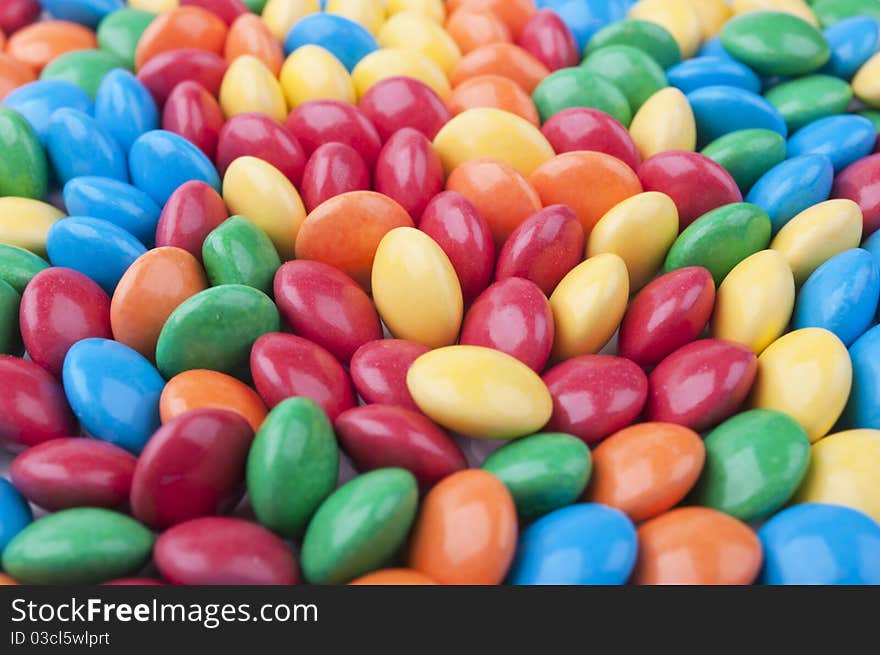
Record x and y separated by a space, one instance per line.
584 291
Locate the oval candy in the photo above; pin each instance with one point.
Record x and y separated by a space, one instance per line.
191 212
162 161
379 368
203 389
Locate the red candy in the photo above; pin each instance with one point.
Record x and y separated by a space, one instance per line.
549 40
409 170
379 368
15 14
398 102
321 121
333 169
582 128
165 71
190 214
226 10
860 182
259 136
194 114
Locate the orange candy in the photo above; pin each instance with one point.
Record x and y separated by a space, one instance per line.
152 287
646 469
393 577
248 35
39 43
202 389
345 231
502 196
185 27
2 40
471 29
466 530
493 91
13 74
697 546
5 579
590 183
504 59
514 13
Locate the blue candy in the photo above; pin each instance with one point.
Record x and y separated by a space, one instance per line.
84 12
114 201
872 245
15 513
713 48
843 139
791 187
125 107
37 101
114 392
852 42
78 145
161 161
863 408
348 41
719 110
700 72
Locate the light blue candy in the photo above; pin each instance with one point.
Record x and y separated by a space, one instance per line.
116 202
161 161
15 513
114 392
719 110
37 101
852 42
84 12
693 74
843 139
818 544
348 41
96 248
872 245
125 107
583 544
863 408
713 48
78 145
586 17
791 187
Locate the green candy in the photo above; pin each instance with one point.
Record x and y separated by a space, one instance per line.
256 6
775 43
577 87
85 545
292 466
642 34
747 154
238 252
215 329
10 337
830 11
755 462
810 98
543 472
85 68
18 266
360 526
631 70
120 32
23 168
721 239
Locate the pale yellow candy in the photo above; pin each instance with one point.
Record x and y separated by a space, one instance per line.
679 17
433 8
416 289
817 234
492 133
411 30
866 83
280 15
807 374
845 470
368 13
257 190
153 6
588 305
641 230
664 122
396 62
797 8
713 14
248 86
479 392
25 222
313 73
754 302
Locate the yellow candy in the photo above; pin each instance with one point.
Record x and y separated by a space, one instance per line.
479 392
845 470
680 17
24 222
248 86
410 30
866 83
416 289
396 62
312 73
664 122
713 14
432 8
492 133
817 234
368 13
153 6
641 230
280 15
754 302
256 189
797 8
588 305
807 374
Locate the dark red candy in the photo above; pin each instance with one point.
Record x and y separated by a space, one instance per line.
512 316
15 14
191 213
457 227
59 307
259 136
226 10
285 365
668 313
860 182
379 369
543 248
194 114
398 102
317 122
194 465
74 472
701 384
695 183
333 169
582 128
33 408
168 69
324 305
379 436
224 551
594 396
549 40
409 171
